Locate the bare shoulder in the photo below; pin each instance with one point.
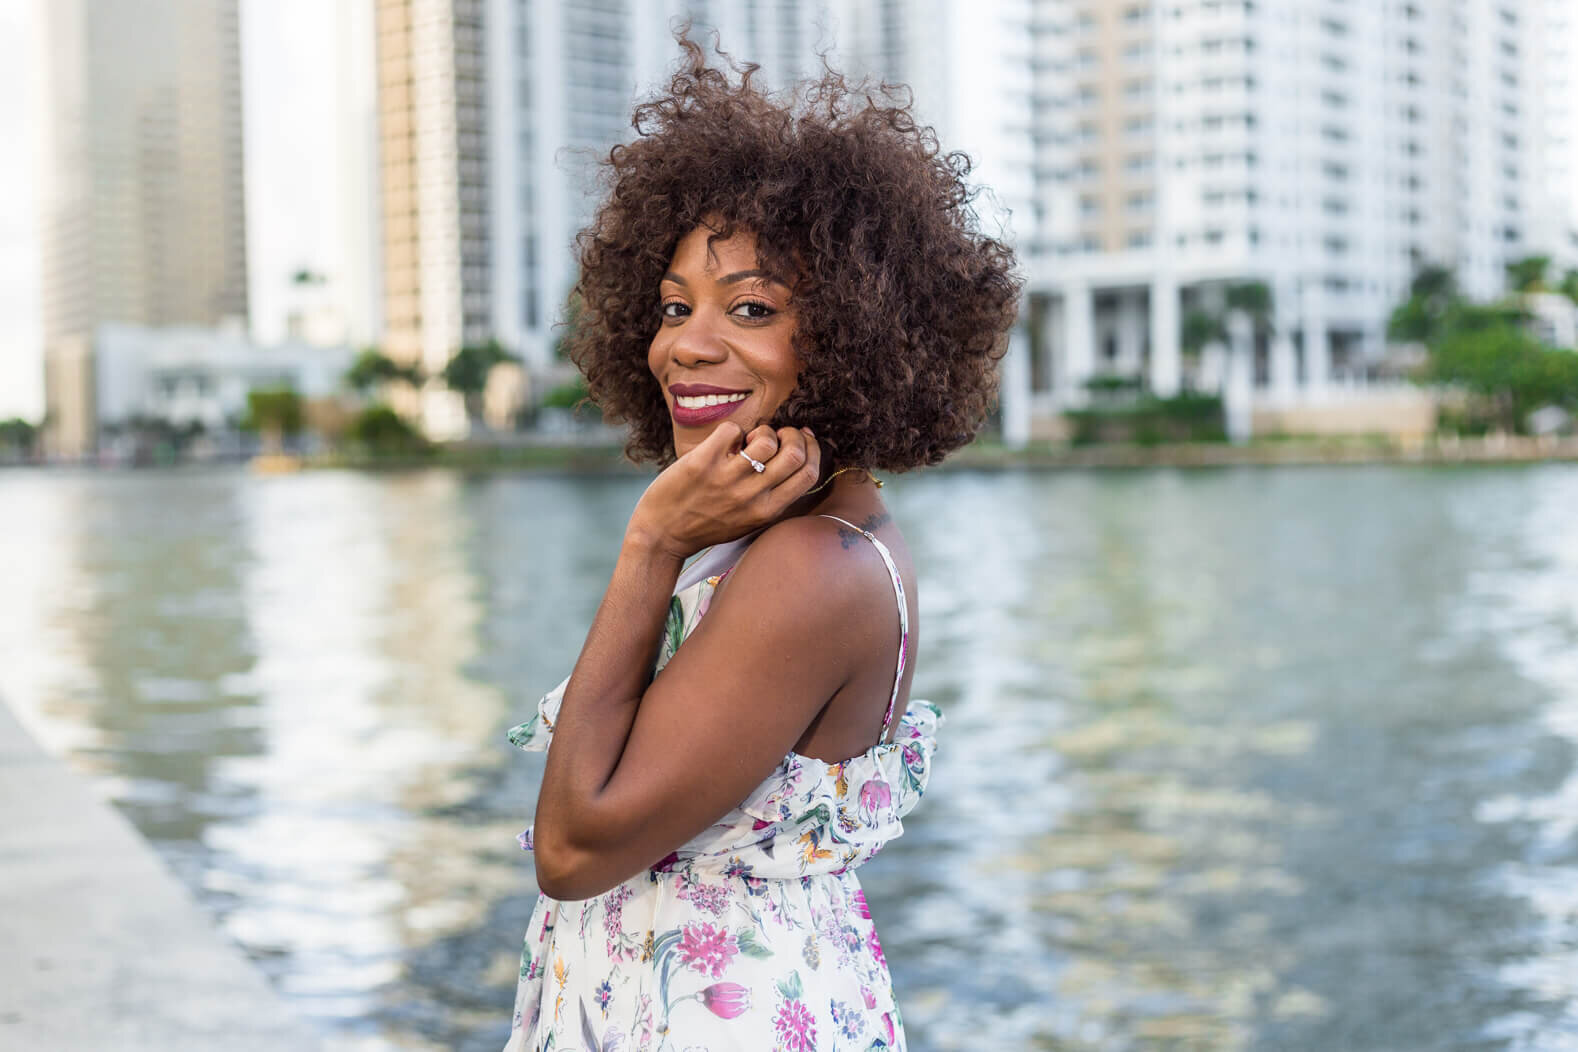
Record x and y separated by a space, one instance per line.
824 560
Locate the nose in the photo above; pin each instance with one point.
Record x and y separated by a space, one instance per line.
698 341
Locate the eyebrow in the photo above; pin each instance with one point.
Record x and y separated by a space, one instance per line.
728 279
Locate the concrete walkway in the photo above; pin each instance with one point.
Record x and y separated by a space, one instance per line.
100 945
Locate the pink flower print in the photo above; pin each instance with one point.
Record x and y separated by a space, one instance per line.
713 898
707 949
861 908
526 842
794 1027
875 797
613 914
887 1022
726 1000
876 949
869 997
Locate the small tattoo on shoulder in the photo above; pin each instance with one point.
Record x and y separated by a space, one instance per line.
850 538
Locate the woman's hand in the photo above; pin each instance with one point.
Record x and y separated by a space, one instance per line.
712 494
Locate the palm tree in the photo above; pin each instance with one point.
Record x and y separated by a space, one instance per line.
467 372
1199 330
1528 274
1252 298
1202 328
372 368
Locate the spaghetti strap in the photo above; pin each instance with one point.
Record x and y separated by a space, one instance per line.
904 618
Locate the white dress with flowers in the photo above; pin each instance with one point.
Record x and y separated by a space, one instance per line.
755 935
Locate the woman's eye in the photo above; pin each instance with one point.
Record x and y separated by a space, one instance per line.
675 310
754 310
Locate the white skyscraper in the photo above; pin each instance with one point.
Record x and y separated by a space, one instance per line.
144 209
1558 54
1324 148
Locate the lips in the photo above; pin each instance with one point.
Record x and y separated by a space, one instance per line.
705 403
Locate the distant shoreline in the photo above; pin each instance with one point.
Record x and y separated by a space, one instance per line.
608 460
992 456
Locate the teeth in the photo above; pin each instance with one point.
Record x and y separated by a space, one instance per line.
702 401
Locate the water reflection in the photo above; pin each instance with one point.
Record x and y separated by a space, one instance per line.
1238 759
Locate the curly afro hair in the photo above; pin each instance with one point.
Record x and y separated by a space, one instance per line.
902 308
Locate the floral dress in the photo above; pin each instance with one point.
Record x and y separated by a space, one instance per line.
754 935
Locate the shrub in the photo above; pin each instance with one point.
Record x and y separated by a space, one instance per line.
382 430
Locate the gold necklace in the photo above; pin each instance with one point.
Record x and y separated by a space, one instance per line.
829 480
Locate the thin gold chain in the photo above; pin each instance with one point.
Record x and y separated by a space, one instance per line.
829 480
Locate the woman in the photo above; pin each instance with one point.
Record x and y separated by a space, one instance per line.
779 297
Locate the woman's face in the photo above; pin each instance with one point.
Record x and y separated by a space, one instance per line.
723 350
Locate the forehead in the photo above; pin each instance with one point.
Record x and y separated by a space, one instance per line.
702 251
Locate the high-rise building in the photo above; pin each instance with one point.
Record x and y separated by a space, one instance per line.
144 210
1325 149
1558 54
437 221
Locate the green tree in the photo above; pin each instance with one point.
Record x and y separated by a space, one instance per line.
1528 274
1506 369
1254 299
1569 286
18 437
467 372
273 412
1200 328
372 367
380 429
1431 296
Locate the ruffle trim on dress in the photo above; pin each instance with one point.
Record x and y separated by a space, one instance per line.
536 734
884 782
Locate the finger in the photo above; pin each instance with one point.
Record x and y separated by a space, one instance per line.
792 457
725 439
761 443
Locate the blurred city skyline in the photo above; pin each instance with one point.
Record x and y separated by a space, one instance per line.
1151 156
288 68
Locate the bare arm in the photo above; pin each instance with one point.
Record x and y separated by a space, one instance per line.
636 769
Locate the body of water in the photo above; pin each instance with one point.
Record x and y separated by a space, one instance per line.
1239 759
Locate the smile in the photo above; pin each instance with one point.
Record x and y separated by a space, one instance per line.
702 401
696 405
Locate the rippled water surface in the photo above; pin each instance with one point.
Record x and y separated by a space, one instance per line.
1259 759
